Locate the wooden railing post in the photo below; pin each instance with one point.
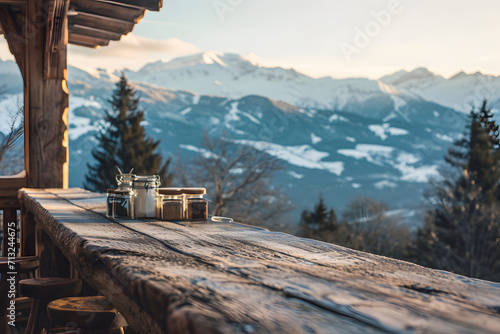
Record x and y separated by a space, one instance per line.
9 228
28 235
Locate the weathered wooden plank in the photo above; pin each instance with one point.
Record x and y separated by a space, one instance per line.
9 185
92 46
109 9
161 279
93 32
87 40
153 5
220 271
9 203
119 26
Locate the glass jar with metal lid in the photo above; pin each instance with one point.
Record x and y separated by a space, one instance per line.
145 195
120 203
170 204
195 206
125 181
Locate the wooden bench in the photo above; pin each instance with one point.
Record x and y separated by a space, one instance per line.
230 278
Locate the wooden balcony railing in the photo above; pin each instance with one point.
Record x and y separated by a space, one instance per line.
10 210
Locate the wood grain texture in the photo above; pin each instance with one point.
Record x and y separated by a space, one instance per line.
47 103
231 278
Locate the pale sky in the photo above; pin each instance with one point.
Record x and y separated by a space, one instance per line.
339 38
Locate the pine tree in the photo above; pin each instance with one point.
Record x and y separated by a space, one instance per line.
462 230
124 144
319 223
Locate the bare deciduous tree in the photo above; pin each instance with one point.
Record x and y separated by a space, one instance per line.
367 227
238 181
16 130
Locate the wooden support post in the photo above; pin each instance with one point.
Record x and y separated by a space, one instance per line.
9 247
28 235
52 261
47 99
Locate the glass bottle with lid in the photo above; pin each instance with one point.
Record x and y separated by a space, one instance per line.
120 203
145 195
170 204
195 206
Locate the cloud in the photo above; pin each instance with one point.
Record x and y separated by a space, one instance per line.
4 50
131 51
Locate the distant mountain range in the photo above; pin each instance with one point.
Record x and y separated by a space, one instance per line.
338 137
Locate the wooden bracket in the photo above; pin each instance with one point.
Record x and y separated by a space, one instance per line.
14 31
55 37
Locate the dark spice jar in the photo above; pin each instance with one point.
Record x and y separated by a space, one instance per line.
120 203
170 204
195 206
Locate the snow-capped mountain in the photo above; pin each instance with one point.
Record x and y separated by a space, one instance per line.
381 138
235 76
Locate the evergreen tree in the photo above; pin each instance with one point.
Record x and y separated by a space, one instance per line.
124 144
462 230
319 223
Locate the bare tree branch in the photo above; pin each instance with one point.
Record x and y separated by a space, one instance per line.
238 181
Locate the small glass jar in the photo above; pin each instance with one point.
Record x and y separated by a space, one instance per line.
145 195
195 206
170 204
125 181
120 203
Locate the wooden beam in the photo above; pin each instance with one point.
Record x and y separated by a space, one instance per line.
92 46
56 23
9 185
9 203
114 10
75 38
153 5
93 32
14 33
101 22
13 2
14 181
47 103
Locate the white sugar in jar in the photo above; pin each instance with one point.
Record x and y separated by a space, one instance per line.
145 188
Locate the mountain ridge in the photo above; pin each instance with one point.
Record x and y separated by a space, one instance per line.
361 136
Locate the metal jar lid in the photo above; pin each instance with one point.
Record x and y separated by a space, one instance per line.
170 191
119 191
194 191
148 181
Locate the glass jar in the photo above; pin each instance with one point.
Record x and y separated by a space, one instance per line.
125 181
170 204
120 203
195 206
145 195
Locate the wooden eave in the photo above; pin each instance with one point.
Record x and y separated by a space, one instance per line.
94 23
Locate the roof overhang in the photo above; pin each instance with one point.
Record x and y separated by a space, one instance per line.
94 23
